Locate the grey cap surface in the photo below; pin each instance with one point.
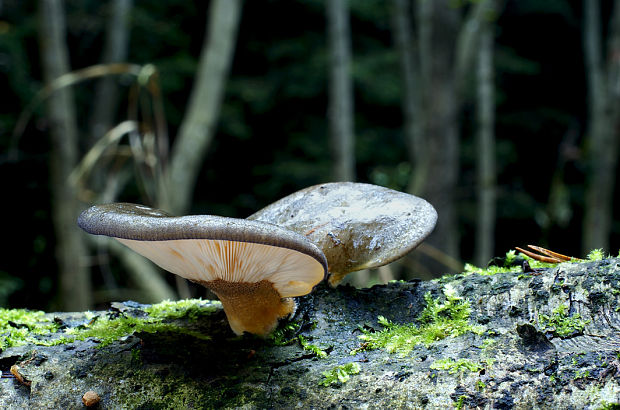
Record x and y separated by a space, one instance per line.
357 226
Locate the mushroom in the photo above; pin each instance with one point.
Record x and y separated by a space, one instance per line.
254 267
357 226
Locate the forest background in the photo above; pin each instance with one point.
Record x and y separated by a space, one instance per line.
503 114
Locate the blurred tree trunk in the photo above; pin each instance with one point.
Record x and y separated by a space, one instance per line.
115 51
436 64
411 93
603 78
75 288
438 24
198 125
146 276
340 91
486 180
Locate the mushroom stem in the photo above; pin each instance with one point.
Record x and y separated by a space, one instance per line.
251 307
335 278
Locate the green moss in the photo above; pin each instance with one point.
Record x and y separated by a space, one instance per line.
596 255
436 322
508 266
107 330
312 348
20 327
284 335
609 406
457 366
488 343
581 374
339 374
560 323
189 308
145 389
491 270
136 356
460 402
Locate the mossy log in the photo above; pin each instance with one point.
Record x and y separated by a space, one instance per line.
550 339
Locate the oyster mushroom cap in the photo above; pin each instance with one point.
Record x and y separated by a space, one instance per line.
254 267
356 225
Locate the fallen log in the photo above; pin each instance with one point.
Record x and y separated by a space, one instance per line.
543 339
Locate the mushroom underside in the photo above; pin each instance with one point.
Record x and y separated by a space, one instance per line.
254 282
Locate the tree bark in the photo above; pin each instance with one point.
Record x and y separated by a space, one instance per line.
602 135
340 91
512 358
75 287
485 166
199 123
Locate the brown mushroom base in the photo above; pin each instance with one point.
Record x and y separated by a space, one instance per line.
335 278
251 307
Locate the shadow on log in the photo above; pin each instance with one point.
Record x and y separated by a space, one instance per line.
547 341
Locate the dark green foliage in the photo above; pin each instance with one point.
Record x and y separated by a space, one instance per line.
272 135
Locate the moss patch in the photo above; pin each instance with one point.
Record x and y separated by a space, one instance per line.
190 308
456 366
510 263
19 327
561 324
284 335
312 348
339 374
436 322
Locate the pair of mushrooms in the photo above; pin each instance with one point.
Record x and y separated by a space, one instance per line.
257 265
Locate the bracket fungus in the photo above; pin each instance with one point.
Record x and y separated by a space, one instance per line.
254 267
357 226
